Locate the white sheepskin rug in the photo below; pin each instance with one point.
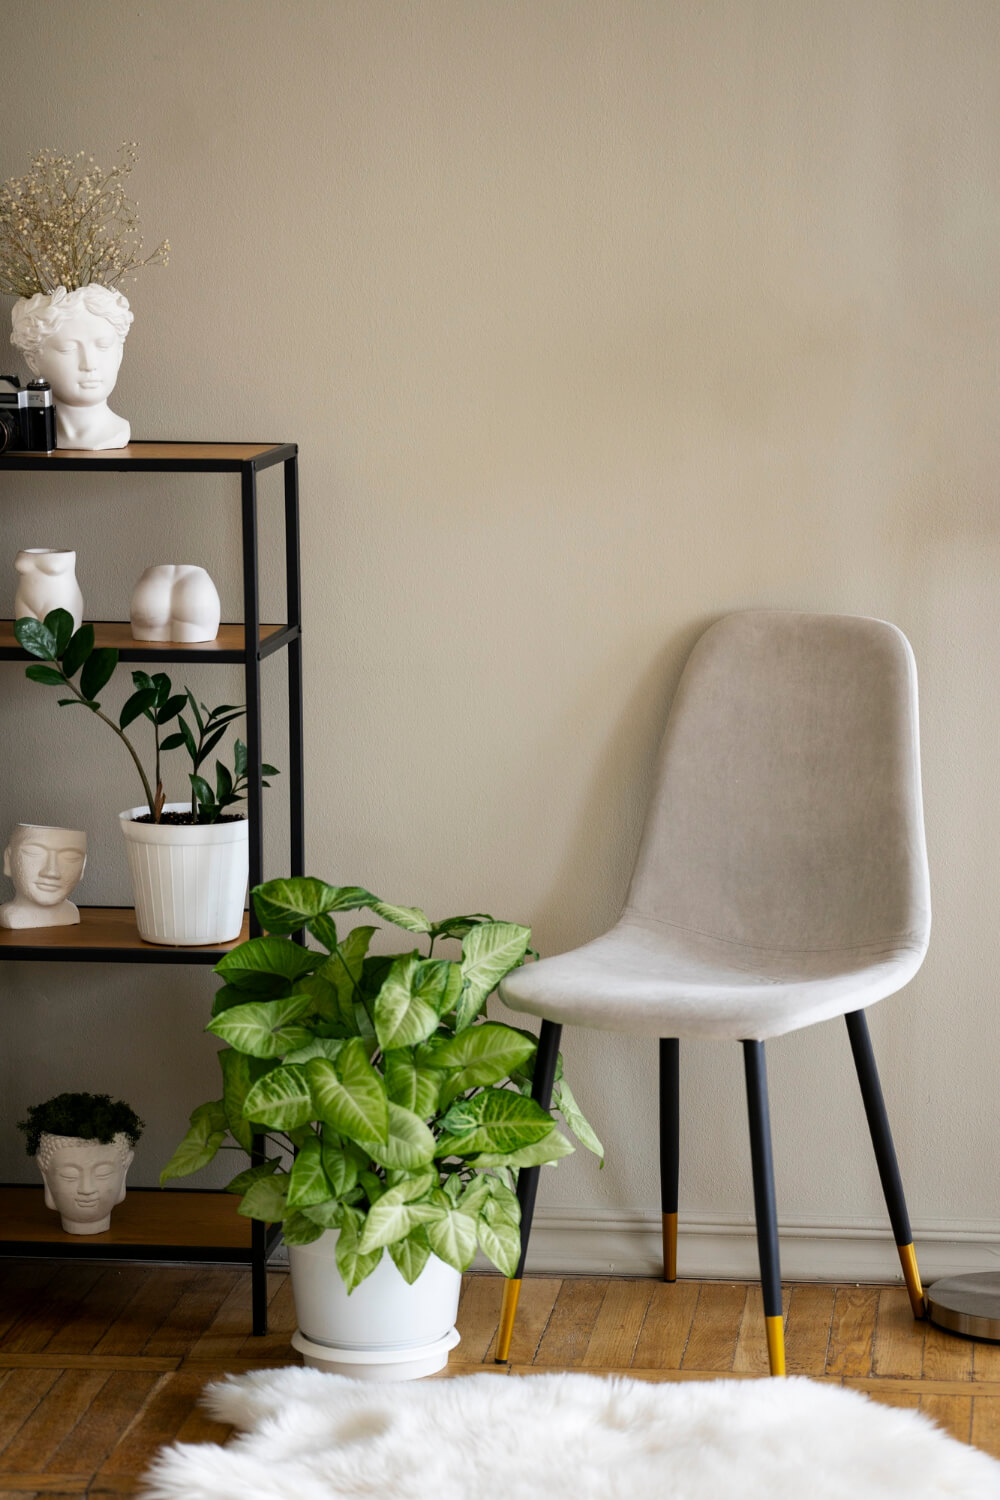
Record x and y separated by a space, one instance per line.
306 1435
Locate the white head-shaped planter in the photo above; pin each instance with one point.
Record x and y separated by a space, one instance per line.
44 864
74 340
84 1179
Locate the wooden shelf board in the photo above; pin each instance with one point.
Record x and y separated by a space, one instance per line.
118 634
148 1216
142 452
106 931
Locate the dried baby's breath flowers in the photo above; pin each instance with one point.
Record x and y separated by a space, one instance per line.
69 223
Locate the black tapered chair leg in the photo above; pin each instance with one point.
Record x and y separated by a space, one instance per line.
546 1059
885 1156
670 1121
765 1206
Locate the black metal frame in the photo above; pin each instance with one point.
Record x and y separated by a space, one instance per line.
288 638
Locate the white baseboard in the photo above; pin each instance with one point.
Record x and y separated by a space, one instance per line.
603 1242
612 1242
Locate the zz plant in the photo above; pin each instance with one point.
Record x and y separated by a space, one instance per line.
63 653
408 1111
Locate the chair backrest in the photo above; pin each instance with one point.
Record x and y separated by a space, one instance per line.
786 812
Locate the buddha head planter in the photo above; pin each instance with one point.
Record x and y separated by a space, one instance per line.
45 864
74 340
84 1180
83 1145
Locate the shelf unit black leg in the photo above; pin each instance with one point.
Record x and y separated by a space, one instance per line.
255 815
293 595
251 674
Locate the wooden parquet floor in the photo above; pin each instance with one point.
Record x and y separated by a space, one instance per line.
102 1364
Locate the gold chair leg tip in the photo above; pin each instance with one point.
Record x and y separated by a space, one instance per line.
775 1344
511 1292
670 1247
911 1275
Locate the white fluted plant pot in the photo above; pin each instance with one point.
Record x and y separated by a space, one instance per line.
385 1329
189 880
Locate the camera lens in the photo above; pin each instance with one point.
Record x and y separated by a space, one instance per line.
10 430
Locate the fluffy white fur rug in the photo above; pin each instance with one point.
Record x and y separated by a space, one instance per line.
311 1436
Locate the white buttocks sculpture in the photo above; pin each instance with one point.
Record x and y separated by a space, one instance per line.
175 602
45 864
74 340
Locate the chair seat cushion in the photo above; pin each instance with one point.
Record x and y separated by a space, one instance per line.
652 978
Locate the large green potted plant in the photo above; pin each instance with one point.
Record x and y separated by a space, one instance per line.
188 861
400 1112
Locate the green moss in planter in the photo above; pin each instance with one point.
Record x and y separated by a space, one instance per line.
92 1117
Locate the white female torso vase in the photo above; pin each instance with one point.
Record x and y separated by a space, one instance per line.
74 340
47 581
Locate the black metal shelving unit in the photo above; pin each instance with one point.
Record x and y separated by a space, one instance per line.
108 934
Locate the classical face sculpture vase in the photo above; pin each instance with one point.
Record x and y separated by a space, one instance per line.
175 602
47 581
74 340
44 864
83 1179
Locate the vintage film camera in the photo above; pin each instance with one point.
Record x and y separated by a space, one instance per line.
27 416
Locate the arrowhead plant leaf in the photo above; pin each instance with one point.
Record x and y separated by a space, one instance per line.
262 1028
265 1199
409 1144
349 1093
453 1238
501 1243
281 1099
411 1255
308 1184
286 905
266 965
403 1017
490 951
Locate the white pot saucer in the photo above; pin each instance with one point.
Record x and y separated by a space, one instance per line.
377 1364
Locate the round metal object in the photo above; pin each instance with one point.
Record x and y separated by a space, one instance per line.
968 1305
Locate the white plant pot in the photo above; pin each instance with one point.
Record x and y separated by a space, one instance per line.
189 880
385 1330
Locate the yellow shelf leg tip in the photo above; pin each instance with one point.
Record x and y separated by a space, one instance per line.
508 1309
908 1261
776 1344
670 1247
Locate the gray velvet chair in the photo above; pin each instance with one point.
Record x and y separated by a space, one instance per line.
781 880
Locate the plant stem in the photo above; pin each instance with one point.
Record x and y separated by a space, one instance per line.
121 735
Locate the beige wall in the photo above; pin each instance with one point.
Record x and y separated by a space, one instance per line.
593 321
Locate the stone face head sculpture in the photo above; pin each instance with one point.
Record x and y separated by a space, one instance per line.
84 1179
44 864
74 340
